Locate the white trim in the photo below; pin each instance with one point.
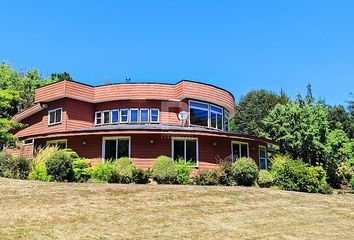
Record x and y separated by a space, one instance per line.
148 115
217 113
96 118
266 157
185 148
121 115
137 116
54 110
189 113
58 141
158 115
32 141
240 143
111 121
115 138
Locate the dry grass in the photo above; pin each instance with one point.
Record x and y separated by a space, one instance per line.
38 210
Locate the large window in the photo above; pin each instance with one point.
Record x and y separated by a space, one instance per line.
115 147
186 149
60 143
199 114
239 149
216 117
55 116
263 164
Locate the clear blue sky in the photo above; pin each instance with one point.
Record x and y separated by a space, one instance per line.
237 45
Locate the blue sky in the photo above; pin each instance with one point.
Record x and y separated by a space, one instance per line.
237 45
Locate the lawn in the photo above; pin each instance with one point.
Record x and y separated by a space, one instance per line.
38 210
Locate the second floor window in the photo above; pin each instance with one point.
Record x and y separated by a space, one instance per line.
216 117
55 116
154 116
133 115
144 115
124 115
199 114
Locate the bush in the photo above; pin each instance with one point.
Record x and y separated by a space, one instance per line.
60 167
102 172
295 175
38 167
164 170
265 179
351 183
141 177
82 170
13 167
225 172
183 171
39 172
207 177
245 171
123 171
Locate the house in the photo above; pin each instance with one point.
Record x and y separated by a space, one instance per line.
189 120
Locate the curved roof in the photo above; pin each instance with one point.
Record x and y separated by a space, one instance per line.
184 89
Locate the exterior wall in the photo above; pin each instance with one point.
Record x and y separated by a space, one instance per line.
143 152
21 150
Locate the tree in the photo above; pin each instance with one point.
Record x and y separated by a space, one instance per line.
253 108
339 118
60 76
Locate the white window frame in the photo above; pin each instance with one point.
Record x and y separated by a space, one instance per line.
240 143
58 141
96 118
217 113
189 115
115 110
130 115
266 157
54 110
121 115
158 115
109 117
148 115
28 139
115 138
185 148
226 117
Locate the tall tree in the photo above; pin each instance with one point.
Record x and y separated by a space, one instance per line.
339 118
253 108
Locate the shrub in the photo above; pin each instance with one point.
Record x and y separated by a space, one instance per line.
265 179
245 171
225 172
141 177
207 177
39 172
123 171
60 167
183 171
295 175
351 183
13 167
102 172
82 170
164 170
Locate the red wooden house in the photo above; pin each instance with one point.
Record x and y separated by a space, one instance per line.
137 120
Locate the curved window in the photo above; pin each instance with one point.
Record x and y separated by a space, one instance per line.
216 118
199 114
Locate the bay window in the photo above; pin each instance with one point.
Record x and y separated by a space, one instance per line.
186 149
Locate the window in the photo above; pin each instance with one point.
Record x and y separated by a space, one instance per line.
226 121
216 117
114 116
144 115
28 141
115 147
134 115
154 115
199 113
185 148
239 149
124 115
98 118
263 164
55 116
106 117
60 143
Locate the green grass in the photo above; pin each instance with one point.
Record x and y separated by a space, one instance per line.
39 210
